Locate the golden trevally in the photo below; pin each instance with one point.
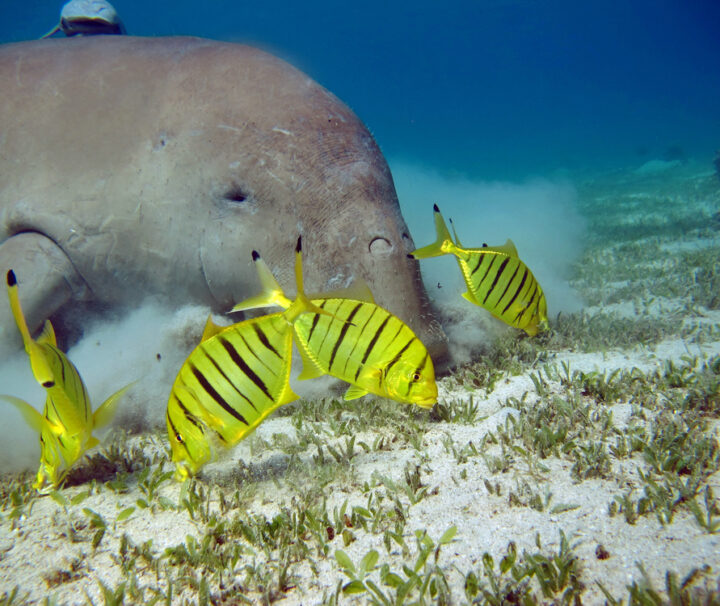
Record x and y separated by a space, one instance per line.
67 423
354 340
496 279
233 380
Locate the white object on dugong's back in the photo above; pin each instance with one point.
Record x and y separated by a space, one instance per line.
88 17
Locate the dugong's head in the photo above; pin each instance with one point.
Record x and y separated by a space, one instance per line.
294 160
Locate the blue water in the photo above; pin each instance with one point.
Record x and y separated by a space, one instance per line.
495 89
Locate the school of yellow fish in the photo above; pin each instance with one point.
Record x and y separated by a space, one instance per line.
240 374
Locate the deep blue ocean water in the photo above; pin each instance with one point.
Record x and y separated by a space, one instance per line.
495 89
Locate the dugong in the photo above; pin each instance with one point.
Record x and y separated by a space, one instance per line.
154 166
88 17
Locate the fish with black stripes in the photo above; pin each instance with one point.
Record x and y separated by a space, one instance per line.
496 279
351 339
67 423
232 381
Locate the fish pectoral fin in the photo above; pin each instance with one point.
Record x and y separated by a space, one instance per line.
106 411
92 443
48 334
32 417
354 392
311 369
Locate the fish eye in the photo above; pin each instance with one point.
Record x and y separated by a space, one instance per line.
178 437
416 377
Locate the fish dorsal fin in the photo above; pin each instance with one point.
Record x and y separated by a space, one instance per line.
457 240
48 334
354 392
506 249
358 291
271 293
211 329
106 411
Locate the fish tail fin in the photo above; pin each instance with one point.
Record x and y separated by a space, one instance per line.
106 411
442 244
40 367
272 293
301 304
16 309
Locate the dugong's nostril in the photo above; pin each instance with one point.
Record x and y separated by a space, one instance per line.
380 246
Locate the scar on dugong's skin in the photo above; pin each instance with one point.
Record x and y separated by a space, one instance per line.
89 18
154 166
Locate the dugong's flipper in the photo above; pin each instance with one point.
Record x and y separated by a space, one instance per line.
48 281
88 17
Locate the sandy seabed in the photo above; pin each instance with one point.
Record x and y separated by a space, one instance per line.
241 532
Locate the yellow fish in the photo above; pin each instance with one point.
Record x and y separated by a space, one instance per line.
354 340
67 424
235 378
496 279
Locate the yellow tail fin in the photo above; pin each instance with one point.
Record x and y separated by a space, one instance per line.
272 292
442 244
40 367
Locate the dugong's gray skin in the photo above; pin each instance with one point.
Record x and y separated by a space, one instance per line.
89 18
135 166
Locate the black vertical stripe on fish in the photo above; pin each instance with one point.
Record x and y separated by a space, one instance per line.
521 313
232 383
398 355
372 343
315 320
264 340
211 391
487 271
477 266
251 351
343 332
507 285
177 435
417 373
187 414
329 324
244 367
518 291
499 272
